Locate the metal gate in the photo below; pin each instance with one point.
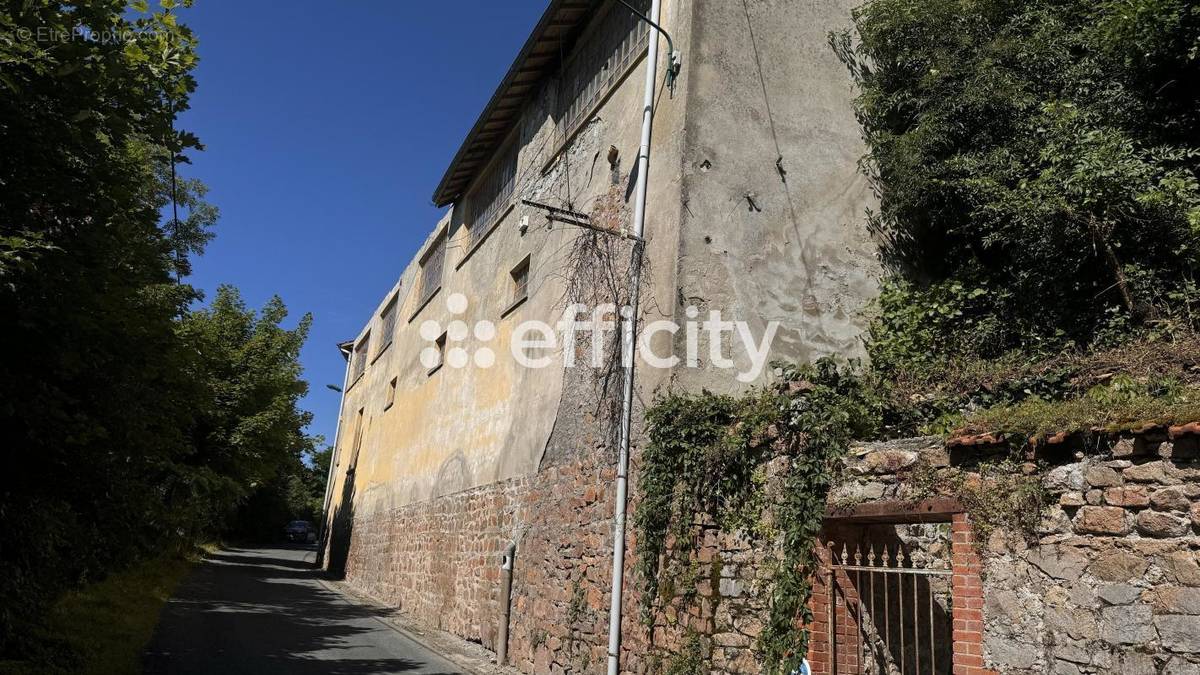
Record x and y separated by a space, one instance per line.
889 613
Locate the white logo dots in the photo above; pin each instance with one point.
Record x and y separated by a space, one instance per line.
456 331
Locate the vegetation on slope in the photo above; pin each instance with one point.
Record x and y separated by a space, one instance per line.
1037 172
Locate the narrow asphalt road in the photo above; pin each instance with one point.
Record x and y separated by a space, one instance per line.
263 611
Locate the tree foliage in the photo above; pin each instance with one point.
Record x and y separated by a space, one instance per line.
131 423
1036 165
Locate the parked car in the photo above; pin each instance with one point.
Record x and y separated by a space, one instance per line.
300 531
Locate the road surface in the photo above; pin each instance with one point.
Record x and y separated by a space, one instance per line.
263 611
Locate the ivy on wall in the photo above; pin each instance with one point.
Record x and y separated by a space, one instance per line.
710 454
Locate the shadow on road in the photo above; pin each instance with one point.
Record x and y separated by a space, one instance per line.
264 611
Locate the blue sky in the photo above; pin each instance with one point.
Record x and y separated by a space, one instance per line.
327 127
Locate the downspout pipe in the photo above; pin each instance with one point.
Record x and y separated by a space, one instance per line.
506 572
627 349
337 430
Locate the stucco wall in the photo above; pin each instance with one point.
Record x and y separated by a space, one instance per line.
765 87
461 428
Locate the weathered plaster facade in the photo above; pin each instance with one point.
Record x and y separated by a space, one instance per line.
754 209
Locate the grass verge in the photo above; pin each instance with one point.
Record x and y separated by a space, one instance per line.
104 627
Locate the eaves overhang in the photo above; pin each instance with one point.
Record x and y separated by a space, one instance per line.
550 39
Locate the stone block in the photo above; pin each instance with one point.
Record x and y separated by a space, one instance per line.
1060 562
1053 521
1181 567
1118 594
1161 525
1008 654
1175 600
1071 652
1118 565
1072 498
1065 668
1180 634
1101 520
1102 476
1066 477
1174 498
1178 665
1128 495
1078 624
1150 472
1124 448
1126 624
886 461
1137 663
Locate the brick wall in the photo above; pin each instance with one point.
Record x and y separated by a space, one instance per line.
438 561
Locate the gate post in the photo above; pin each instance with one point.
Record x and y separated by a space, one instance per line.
966 589
821 605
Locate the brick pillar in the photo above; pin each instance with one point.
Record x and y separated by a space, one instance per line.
818 630
821 654
967 592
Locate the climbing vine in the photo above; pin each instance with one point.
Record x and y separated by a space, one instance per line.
711 456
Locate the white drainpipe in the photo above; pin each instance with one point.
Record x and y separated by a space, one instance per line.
630 333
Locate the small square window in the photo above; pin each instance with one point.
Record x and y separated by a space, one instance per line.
391 393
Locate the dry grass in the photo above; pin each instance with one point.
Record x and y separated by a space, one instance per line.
104 627
1176 359
1039 418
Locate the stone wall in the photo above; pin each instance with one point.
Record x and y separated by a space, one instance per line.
439 562
1110 582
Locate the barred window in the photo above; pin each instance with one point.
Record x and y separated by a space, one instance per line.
491 195
360 358
431 267
387 327
607 52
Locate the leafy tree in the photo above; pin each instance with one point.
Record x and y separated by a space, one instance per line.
248 428
131 424
1036 165
93 393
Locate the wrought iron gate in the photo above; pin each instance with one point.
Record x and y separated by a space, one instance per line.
887 614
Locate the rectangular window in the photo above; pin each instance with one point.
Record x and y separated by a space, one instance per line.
431 268
391 393
520 280
358 434
607 51
387 326
491 195
440 345
360 358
